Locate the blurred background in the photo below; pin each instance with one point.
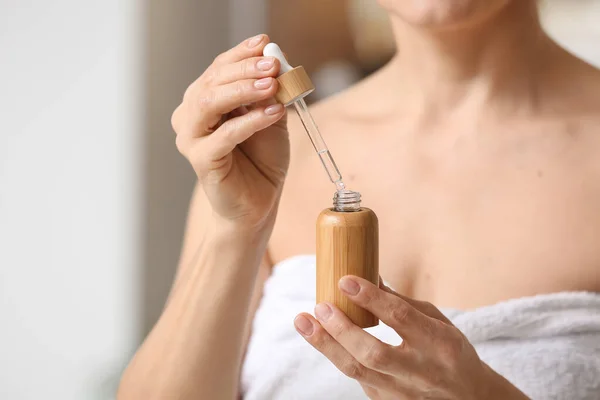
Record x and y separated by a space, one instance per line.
93 194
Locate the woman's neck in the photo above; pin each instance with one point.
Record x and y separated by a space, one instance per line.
487 65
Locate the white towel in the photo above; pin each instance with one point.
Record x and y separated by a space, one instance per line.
548 346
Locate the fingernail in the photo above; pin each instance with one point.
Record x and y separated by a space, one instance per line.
303 325
255 41
348 285
265 64
274 109
323 312
263 83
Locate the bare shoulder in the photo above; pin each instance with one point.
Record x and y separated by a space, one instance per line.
583 117
307 189
336 116
570 108
331 116
305 172
574 86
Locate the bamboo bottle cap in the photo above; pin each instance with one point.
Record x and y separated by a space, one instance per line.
294 83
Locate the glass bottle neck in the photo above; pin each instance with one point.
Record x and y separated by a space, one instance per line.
346 201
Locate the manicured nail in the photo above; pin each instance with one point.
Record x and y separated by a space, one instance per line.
263 83
274 109
265 64
323 312
255 41
303 325
348 285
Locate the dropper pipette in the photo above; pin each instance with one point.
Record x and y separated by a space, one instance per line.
301 83
319 144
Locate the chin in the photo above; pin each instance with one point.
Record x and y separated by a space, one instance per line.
443 14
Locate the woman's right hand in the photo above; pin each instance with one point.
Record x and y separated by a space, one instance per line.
234 134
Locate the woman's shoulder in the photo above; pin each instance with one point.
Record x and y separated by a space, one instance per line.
575 104
336 114
307 189
574 88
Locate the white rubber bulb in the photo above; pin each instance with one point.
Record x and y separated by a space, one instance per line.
273 50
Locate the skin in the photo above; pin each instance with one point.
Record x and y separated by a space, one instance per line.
476 146
422 367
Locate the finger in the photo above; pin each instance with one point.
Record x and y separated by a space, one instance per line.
423 306
372 393
412 325
250 68
266 102
240 111
236 130
321 340
366 349
376 394
213 104
252 47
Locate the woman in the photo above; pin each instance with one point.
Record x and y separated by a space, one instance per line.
476 145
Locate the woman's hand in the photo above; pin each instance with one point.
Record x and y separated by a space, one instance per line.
234 135
434 361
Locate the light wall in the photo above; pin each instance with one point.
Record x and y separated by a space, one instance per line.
92 193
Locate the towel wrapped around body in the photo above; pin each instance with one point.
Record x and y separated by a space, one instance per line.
548 345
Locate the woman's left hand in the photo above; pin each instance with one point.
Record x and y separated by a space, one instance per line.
434 361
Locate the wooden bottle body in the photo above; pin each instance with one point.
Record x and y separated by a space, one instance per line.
347 244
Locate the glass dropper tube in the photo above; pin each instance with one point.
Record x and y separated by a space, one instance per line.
319 144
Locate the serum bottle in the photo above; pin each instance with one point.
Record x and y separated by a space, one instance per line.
347 234
347 244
